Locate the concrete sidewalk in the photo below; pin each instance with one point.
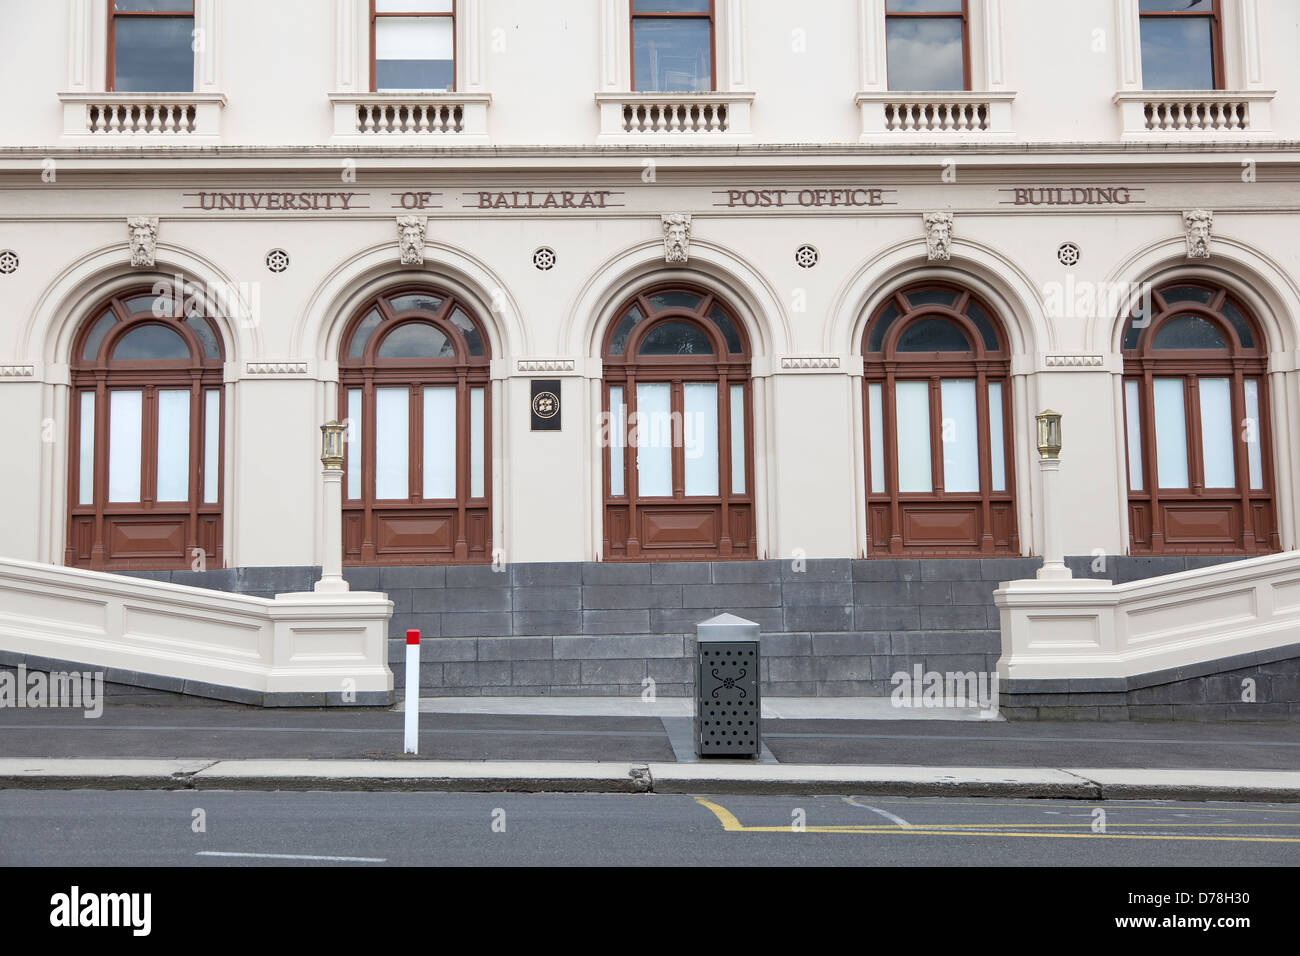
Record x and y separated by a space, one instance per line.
715 777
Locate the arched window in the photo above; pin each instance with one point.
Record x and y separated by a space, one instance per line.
678 453
144 484
938 439
1200 463
414 386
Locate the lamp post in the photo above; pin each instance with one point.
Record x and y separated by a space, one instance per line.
1049 461
331 460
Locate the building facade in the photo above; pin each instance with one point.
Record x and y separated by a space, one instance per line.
652 282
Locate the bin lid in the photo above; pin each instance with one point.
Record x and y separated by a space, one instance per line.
726 627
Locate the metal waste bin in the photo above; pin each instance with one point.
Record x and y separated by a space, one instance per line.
726 688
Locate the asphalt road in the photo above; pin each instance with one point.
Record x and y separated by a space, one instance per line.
228 732
149 828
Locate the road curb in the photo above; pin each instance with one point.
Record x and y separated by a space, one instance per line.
596 777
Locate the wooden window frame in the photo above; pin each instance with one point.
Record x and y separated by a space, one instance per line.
103 375
1215 16
886 509
374 19
963 16
1143 364
711 16
465 372
724 369
113 15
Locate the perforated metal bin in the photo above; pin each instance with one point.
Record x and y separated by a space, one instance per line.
727 722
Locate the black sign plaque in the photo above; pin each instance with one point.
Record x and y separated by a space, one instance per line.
546 404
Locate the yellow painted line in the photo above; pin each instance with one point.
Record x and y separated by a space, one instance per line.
733 825
1113 806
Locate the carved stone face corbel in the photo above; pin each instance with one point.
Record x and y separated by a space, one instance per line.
1198 223
142 234
677 237
938 236
411 231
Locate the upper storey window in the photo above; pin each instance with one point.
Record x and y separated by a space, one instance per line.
1182 47
672 46
150 46
413 44
926 45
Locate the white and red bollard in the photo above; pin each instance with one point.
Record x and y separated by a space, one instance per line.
411 739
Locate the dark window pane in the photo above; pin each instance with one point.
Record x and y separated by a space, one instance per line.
1187 293
675 300
878 329
153 55
933 335
364 330
415 302
1177 53
1189 332
1239 324
96 336
727 328
204 331
931 297
413 53
924 53
417 340
987 333
140 304
468 331
165 6
675 338
1131 334
618 341
672 55
1176 6
151 342
923 6
670 6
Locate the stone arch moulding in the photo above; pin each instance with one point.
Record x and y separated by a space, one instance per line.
1008 289
755 303
321 322
1272 295
53 325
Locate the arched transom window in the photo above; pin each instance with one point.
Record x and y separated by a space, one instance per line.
1200 461
415 393
678 449
144 485
938 409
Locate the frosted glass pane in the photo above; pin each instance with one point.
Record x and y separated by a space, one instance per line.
654 439
477 432
961 447
353 437
1254 437
1133 426
1216 434
912 404
413 38
211 444
173 445
997 445
876 423
124 423
1171 433
737 439
617 429
86 458
392 442
700 437
440 443
413 6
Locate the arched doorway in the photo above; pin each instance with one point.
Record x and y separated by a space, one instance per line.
145 438
940 475
1200 460
414 388
678 435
